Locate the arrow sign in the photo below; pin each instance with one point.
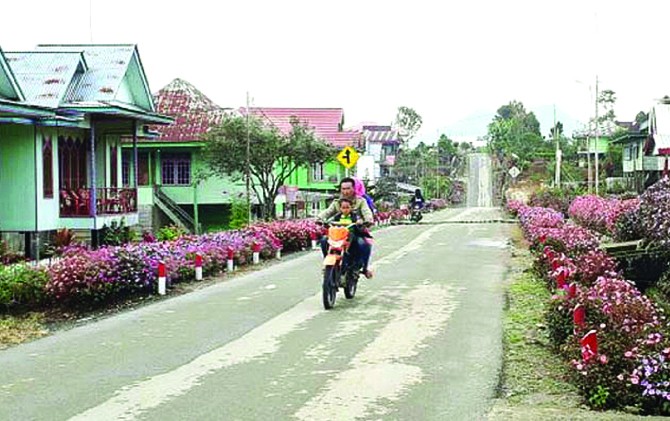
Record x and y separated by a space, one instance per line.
348 157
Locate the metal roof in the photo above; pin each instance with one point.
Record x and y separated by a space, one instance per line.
325 122
193 112
108 66
381 136
9 88
45 77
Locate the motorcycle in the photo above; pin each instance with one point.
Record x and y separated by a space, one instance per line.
417 214
339 264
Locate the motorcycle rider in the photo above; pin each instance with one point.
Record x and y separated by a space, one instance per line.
417 199
359 248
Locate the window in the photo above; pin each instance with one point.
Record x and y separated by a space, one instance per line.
317 172
113 169
72 163
176 169
627 152
125 169
47 169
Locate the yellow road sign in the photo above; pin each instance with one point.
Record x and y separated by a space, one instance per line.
348 157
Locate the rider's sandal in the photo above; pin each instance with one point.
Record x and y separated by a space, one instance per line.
368 274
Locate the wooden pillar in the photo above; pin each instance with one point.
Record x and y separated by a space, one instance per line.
94 175
135 154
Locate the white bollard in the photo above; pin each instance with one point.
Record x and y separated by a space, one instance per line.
198 267
162 279
230 263
257 258
278 255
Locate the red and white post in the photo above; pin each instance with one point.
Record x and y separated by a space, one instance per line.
230 266
312 236
198 267
162 278
256 248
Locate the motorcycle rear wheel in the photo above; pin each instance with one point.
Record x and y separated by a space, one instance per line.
352 284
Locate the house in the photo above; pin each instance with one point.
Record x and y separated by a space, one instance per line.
170 190
381 148
63 111
591 142
646 147
308 190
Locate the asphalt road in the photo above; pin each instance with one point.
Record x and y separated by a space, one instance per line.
421 341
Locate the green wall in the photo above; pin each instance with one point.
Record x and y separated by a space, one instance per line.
17 178
333 173
214 190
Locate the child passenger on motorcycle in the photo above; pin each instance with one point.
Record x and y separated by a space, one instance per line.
347 217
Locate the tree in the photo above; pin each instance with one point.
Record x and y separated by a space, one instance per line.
607 99
556 131
516 111
273 157
409 122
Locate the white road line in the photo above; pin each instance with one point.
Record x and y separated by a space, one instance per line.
131 401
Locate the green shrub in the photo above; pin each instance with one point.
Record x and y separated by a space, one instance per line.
239 217
116 234
22 286
170 233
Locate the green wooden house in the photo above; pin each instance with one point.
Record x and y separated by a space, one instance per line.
170 188
63 112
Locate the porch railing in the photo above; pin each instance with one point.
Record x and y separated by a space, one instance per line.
109 201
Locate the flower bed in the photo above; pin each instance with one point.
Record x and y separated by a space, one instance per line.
614 337
86 277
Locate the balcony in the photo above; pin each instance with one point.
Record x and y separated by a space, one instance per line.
109 201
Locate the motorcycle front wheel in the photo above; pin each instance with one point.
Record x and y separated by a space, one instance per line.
330 275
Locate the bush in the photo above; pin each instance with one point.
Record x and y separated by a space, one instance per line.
116 234
628 225
655 213
63 238
8 257
170 233
239 215
552 198
22 286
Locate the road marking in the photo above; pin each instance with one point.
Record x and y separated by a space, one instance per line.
131 401
379 373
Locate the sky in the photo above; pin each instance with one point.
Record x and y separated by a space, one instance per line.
455 63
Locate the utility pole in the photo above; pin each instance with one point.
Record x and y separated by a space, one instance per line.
557 172
597 139
248 169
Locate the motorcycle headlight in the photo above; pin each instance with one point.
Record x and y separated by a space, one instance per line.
336 244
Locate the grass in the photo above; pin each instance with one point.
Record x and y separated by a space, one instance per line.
535 381
16 329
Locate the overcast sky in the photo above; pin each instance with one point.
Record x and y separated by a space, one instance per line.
451 61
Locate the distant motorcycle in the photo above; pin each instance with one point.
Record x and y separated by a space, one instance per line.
417 213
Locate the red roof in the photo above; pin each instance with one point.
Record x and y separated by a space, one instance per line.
325 122
193 112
